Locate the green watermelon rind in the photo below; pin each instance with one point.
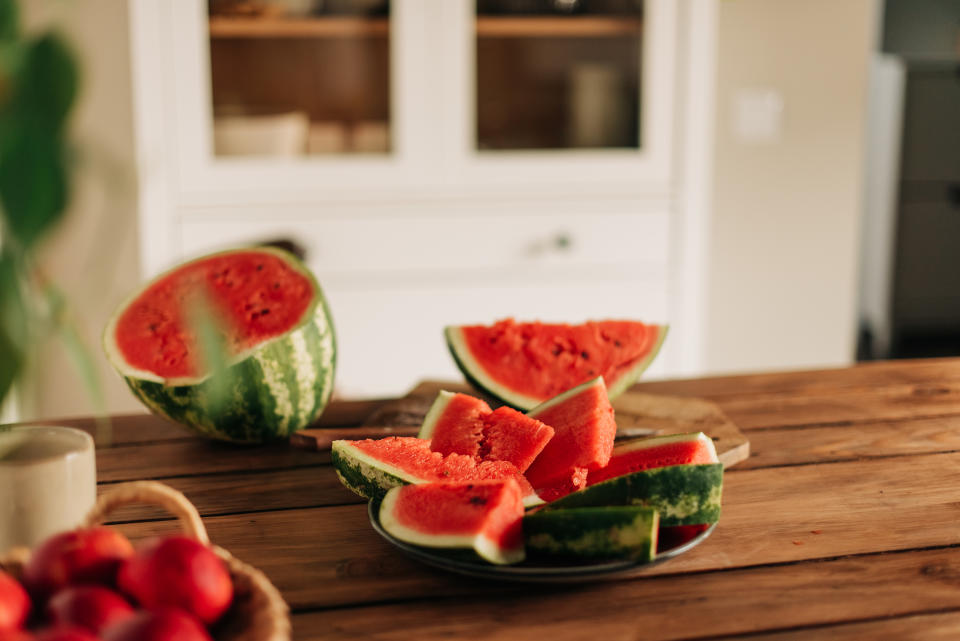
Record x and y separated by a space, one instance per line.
278 387
372 478
477 376
366 475
682 494
483 546
592 533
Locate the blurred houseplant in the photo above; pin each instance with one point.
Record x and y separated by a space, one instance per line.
38 87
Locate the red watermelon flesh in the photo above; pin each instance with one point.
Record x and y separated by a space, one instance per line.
413 458
656 451
584 430
577 480
462 424
528 363
509 435
256 294
454 424
483 515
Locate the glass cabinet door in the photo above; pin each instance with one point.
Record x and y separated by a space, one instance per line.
558 74
300 77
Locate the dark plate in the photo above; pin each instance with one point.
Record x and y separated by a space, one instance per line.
531 571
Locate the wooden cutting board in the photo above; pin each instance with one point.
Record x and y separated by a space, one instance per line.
637 414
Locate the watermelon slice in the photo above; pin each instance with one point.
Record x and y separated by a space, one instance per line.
656 451
682 494
462 424
484 516
584 430
372 467
591 533
279 337
524 364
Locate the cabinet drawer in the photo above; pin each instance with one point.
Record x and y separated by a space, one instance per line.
530 244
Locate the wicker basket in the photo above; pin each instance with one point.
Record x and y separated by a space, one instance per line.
258 612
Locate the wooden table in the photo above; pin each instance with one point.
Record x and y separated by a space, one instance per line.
844 524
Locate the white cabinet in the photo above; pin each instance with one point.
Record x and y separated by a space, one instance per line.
441 161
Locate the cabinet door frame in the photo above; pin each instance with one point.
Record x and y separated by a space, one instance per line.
647 170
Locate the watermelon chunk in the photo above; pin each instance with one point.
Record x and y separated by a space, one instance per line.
682 494
593 533
278 336
462 424
484 516
584 430
372 467
656 451
524 364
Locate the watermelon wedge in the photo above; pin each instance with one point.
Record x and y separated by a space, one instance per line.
484 516
584 430
279 340
372 467
525 364
591 533
462 424
656 451
682 494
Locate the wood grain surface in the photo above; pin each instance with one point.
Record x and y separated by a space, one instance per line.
842 525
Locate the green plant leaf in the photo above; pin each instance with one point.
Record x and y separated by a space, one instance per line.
208 327
33 182
46 83
13 324
9 19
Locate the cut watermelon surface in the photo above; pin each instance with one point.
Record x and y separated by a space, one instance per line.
584 431
462 424
278 336
373 466
484 516
656 451
524 364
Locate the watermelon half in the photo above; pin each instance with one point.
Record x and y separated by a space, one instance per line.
278 334
525 364
371 467
462 424
483 516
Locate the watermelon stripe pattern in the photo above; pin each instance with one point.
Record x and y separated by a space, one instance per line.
365 475
682 494
275 388
286 384
593 533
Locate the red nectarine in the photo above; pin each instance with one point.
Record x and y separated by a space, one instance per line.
14 603
179 572
167 624
78 556
88 606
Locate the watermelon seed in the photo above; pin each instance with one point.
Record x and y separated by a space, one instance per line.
478 500
617 343
259 268
557 350
585 356
264 312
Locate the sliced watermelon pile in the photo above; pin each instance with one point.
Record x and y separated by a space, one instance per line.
593 499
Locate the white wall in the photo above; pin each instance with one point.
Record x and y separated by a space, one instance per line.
784 246
92 256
